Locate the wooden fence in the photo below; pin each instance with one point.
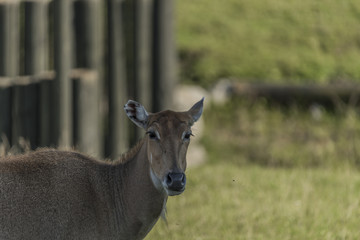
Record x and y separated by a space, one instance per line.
67 67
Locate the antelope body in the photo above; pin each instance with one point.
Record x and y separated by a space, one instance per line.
52 194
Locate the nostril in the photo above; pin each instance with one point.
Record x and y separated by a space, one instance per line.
183 179
169 180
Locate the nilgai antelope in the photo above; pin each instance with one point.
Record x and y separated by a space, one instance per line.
52 194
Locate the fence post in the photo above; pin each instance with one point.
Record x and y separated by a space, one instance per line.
143 53
129 45
9 59
164 54
89 49
27 98
37 61
86 129
117 88
62 86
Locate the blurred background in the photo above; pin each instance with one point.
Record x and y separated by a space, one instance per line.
276 154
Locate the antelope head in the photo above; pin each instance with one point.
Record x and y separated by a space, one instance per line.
167 138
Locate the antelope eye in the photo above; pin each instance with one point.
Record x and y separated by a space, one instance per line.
187 136
152 135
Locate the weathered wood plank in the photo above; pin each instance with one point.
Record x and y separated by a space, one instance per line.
128 14
86 129
89 49
164 54
142 65
7 82
117 88
143 51
10 38
9 59
63 15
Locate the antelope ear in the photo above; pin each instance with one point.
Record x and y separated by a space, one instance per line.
196 110
137 113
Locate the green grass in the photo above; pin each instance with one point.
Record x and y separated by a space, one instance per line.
272 173
226 201
273 40
254 133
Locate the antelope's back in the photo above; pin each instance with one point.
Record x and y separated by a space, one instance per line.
46 194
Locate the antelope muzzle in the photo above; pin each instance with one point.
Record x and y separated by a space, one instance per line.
175 183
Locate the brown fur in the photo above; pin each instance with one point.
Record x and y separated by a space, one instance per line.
51 194
131 153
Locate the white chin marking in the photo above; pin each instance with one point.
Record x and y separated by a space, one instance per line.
172 193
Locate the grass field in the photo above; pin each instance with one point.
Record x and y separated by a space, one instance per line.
273 136
272 40
272 173
226 201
